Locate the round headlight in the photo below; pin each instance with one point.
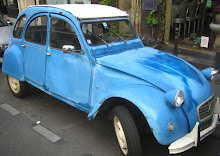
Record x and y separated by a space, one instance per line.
175 98
209 73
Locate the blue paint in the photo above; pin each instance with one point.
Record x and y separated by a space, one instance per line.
130 71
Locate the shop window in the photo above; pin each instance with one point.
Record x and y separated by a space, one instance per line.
12 8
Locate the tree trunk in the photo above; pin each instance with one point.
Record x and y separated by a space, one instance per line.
136 15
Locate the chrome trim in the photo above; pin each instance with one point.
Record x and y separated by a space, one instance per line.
212 109
34 47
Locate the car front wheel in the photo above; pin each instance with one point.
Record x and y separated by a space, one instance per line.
18 88
126 132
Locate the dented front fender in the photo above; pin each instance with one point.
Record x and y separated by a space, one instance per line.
153 104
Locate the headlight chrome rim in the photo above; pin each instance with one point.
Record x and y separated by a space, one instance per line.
213 72
175 98
179 99
209 73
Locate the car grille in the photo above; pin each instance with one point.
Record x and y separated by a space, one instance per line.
205 110
205 125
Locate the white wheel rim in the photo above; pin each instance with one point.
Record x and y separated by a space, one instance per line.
120 135
14 84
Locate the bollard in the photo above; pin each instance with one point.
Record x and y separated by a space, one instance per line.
176 41
217 60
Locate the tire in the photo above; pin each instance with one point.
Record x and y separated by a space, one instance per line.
18 88
126 132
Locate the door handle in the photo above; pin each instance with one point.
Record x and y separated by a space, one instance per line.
23 45
48 54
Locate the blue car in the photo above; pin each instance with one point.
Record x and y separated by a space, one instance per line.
90 57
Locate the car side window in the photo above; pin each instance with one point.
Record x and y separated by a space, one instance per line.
17 33
36 31
62 33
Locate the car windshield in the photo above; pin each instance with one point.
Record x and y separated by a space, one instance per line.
3 23
105 32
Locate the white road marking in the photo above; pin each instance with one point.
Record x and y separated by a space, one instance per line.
10 109
46 133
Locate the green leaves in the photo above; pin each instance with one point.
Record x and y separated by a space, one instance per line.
155 21
107 2
151 19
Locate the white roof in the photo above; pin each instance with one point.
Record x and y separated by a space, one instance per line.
88 11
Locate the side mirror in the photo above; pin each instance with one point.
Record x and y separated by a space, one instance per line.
9 22
68 49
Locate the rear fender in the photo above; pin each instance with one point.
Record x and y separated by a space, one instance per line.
13 62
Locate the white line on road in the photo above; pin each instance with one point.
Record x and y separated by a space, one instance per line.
46 133
10 109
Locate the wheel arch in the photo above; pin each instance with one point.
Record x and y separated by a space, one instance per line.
139 118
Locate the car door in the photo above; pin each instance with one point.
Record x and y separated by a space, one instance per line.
67 74
34 44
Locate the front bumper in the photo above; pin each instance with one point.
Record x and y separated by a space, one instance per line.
191 139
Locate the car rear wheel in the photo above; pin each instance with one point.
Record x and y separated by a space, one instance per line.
126 132
18 88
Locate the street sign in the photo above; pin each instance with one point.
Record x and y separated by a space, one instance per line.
204 42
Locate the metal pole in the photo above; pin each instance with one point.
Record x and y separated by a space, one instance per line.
167 21
176 41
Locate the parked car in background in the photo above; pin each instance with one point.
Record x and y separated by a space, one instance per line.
90 57
5 33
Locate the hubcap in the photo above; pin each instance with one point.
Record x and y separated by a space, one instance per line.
14 84
120 135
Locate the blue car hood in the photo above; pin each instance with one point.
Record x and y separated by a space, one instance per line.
162 70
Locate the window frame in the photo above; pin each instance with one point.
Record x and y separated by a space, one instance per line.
70 23
17 23
32 19
108 20
4 22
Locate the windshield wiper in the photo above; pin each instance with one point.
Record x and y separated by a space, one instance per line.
97 37
118 36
